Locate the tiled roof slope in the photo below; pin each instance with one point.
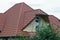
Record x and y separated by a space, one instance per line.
16 18
11 21
59 19
2 20
54 21
28 17
31 15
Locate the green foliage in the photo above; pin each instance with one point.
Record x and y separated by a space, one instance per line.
46 32
19 38
23 37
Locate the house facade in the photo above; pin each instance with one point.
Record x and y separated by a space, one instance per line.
21 19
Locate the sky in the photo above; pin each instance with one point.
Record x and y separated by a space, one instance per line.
52 7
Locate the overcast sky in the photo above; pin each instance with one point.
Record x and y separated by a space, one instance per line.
52 7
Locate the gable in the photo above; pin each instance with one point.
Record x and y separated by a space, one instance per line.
31 27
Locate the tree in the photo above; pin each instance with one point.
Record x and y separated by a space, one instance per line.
46 32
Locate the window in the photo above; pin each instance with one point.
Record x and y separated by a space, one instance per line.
37 23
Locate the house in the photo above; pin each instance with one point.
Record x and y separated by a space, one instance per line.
20 20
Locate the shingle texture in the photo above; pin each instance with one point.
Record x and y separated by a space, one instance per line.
17 17
55 22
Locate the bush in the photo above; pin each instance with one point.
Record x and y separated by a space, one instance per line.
46 32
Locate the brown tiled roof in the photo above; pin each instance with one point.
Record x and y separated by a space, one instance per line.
55 22
59 19
2 20
16 18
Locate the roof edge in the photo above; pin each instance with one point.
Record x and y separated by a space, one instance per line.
18 4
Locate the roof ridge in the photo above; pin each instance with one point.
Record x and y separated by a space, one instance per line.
13 6
33 10
20 3
55 17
